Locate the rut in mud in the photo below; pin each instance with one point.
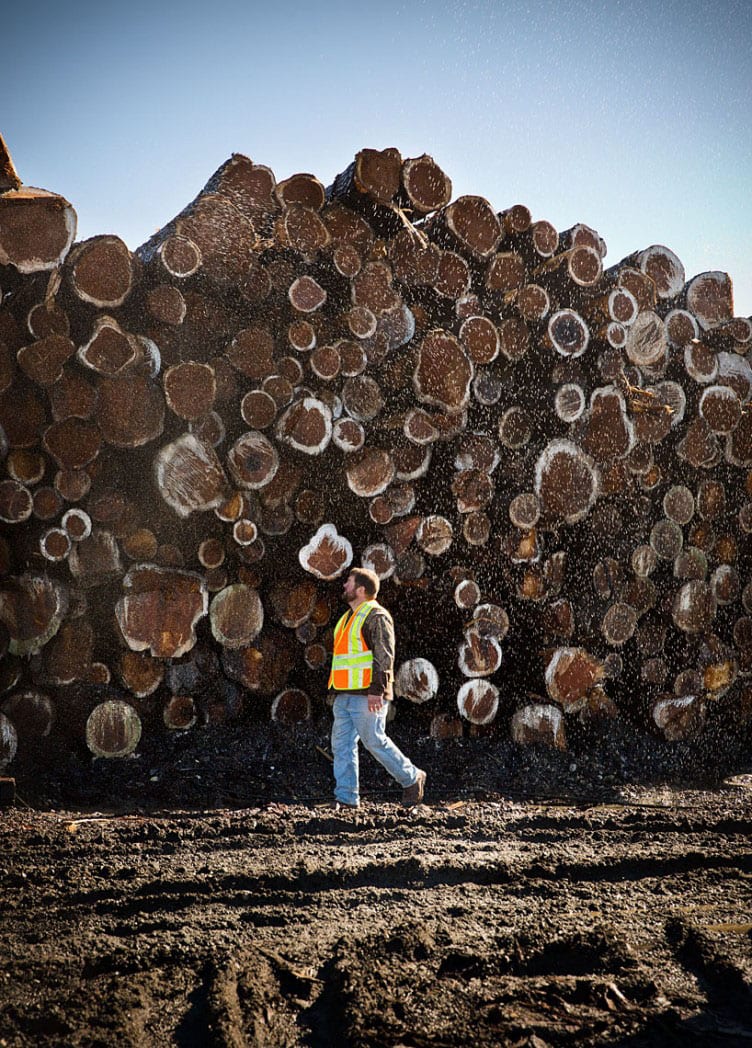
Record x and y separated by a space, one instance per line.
501 922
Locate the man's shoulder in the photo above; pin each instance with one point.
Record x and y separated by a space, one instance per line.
378 611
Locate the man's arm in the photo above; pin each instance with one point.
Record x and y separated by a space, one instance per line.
378 633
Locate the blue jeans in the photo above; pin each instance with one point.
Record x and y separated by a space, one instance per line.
352 722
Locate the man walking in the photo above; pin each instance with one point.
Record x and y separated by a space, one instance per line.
361 684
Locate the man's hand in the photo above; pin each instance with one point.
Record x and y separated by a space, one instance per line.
375 702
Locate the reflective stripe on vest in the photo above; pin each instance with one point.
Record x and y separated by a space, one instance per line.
352 660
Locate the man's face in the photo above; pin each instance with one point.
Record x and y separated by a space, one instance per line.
349 588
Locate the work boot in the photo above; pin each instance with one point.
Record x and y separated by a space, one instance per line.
413 795
344 806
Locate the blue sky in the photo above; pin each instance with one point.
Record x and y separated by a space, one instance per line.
633 117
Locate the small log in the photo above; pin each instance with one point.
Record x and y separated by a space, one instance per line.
16 502
8 749
166 305
179 256
291 706
251 352
73 443
425 187
469 225
721 408
362 398
679 718
739 442
416 680
443 373
190 477
32 608
362 322
434 535
43 360
190 389
113 729
710 297
68 656
347 227
179 713
130 410
32 714
637 283
515 219
102 271
479 654
37 229
55 545
445 726
253 461
374 176
325 362
569 402
248 186
694 606
664 269
478 701
110 349
302 188
348 435
47 503
301 229
306 295
369 472
26 466
567 333
607 431
480 339
159 610
95 560
292 606
140 673
619 624
532 302
466 594
571 675
372 288
72 484
327 555
565 481
72 397
539 724
453 276
514 338
379 557
22 416
506 272
236 615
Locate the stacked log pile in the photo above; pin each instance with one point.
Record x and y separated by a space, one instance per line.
548 463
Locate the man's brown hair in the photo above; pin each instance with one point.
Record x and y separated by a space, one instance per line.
368 579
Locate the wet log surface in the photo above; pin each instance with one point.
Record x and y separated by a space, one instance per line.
287 380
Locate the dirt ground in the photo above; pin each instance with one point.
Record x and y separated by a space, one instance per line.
206 895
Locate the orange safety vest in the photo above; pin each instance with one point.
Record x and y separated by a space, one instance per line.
352 660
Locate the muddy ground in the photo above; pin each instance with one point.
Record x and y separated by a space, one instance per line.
203 894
